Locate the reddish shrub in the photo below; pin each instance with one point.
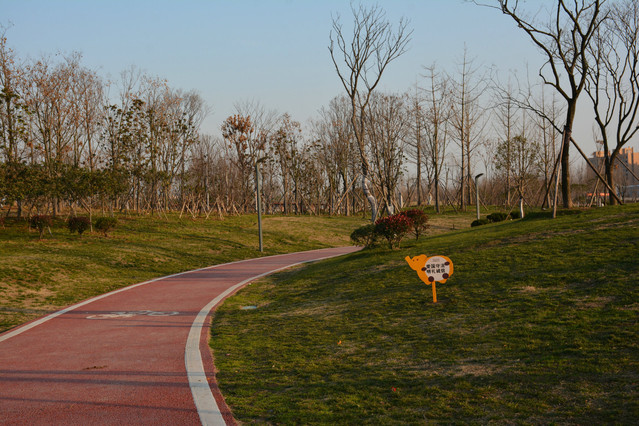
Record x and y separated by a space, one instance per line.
394 228
419 221
40 222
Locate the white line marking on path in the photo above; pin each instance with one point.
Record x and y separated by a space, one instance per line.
207 408
130 314
42 320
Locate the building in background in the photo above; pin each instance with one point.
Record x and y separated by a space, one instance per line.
626 171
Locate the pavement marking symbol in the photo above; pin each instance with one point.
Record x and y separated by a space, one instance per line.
124 314
207 407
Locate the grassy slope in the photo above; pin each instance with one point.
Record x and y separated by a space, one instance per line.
538 324
37 277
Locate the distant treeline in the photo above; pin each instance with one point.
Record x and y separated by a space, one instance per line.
71 140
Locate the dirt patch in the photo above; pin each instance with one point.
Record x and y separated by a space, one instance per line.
612 225
475 369
27 299
634 307
594 302
442 224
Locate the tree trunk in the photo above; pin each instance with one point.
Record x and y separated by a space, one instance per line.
610 175
419 171
437 190
368 194
565 169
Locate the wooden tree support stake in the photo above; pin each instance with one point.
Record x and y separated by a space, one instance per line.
612 191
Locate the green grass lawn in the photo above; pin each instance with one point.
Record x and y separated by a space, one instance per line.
40 276
538 324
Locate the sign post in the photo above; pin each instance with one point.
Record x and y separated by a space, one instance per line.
431 269
477 192
258 179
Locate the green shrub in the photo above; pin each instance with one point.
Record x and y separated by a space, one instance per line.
479 222
78 224
497 217
418 219
515 214
394 228
40 222
105 224
364 235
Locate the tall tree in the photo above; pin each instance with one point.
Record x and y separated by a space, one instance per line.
613 82
467 119
386 128
563 38
13 109
547 113
334 132
415 137
438 117
506 115
360 63
284 147
89 98
240 134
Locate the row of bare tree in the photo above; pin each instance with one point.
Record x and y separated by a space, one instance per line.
588 45
70 138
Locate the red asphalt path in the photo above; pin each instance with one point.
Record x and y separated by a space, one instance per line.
138 355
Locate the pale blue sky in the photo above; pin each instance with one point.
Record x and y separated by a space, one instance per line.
272 51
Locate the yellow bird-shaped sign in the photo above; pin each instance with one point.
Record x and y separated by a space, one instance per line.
431 269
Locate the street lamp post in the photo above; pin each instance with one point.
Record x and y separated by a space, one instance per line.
258 177
477 192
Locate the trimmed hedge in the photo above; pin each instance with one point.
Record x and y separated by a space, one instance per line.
497 217
40 222
105 224
479 222
364 235
78 224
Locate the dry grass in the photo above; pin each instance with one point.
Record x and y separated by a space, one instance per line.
39 276
537 328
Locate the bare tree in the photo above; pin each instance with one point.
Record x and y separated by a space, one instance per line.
467 119
547 113
386 126
89 96
241 136
360 63
563 39
613 82
505 113
334 132
517 156
284 147
438 115
13 109
14 113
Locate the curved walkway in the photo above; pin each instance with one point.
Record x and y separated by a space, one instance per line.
137 355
